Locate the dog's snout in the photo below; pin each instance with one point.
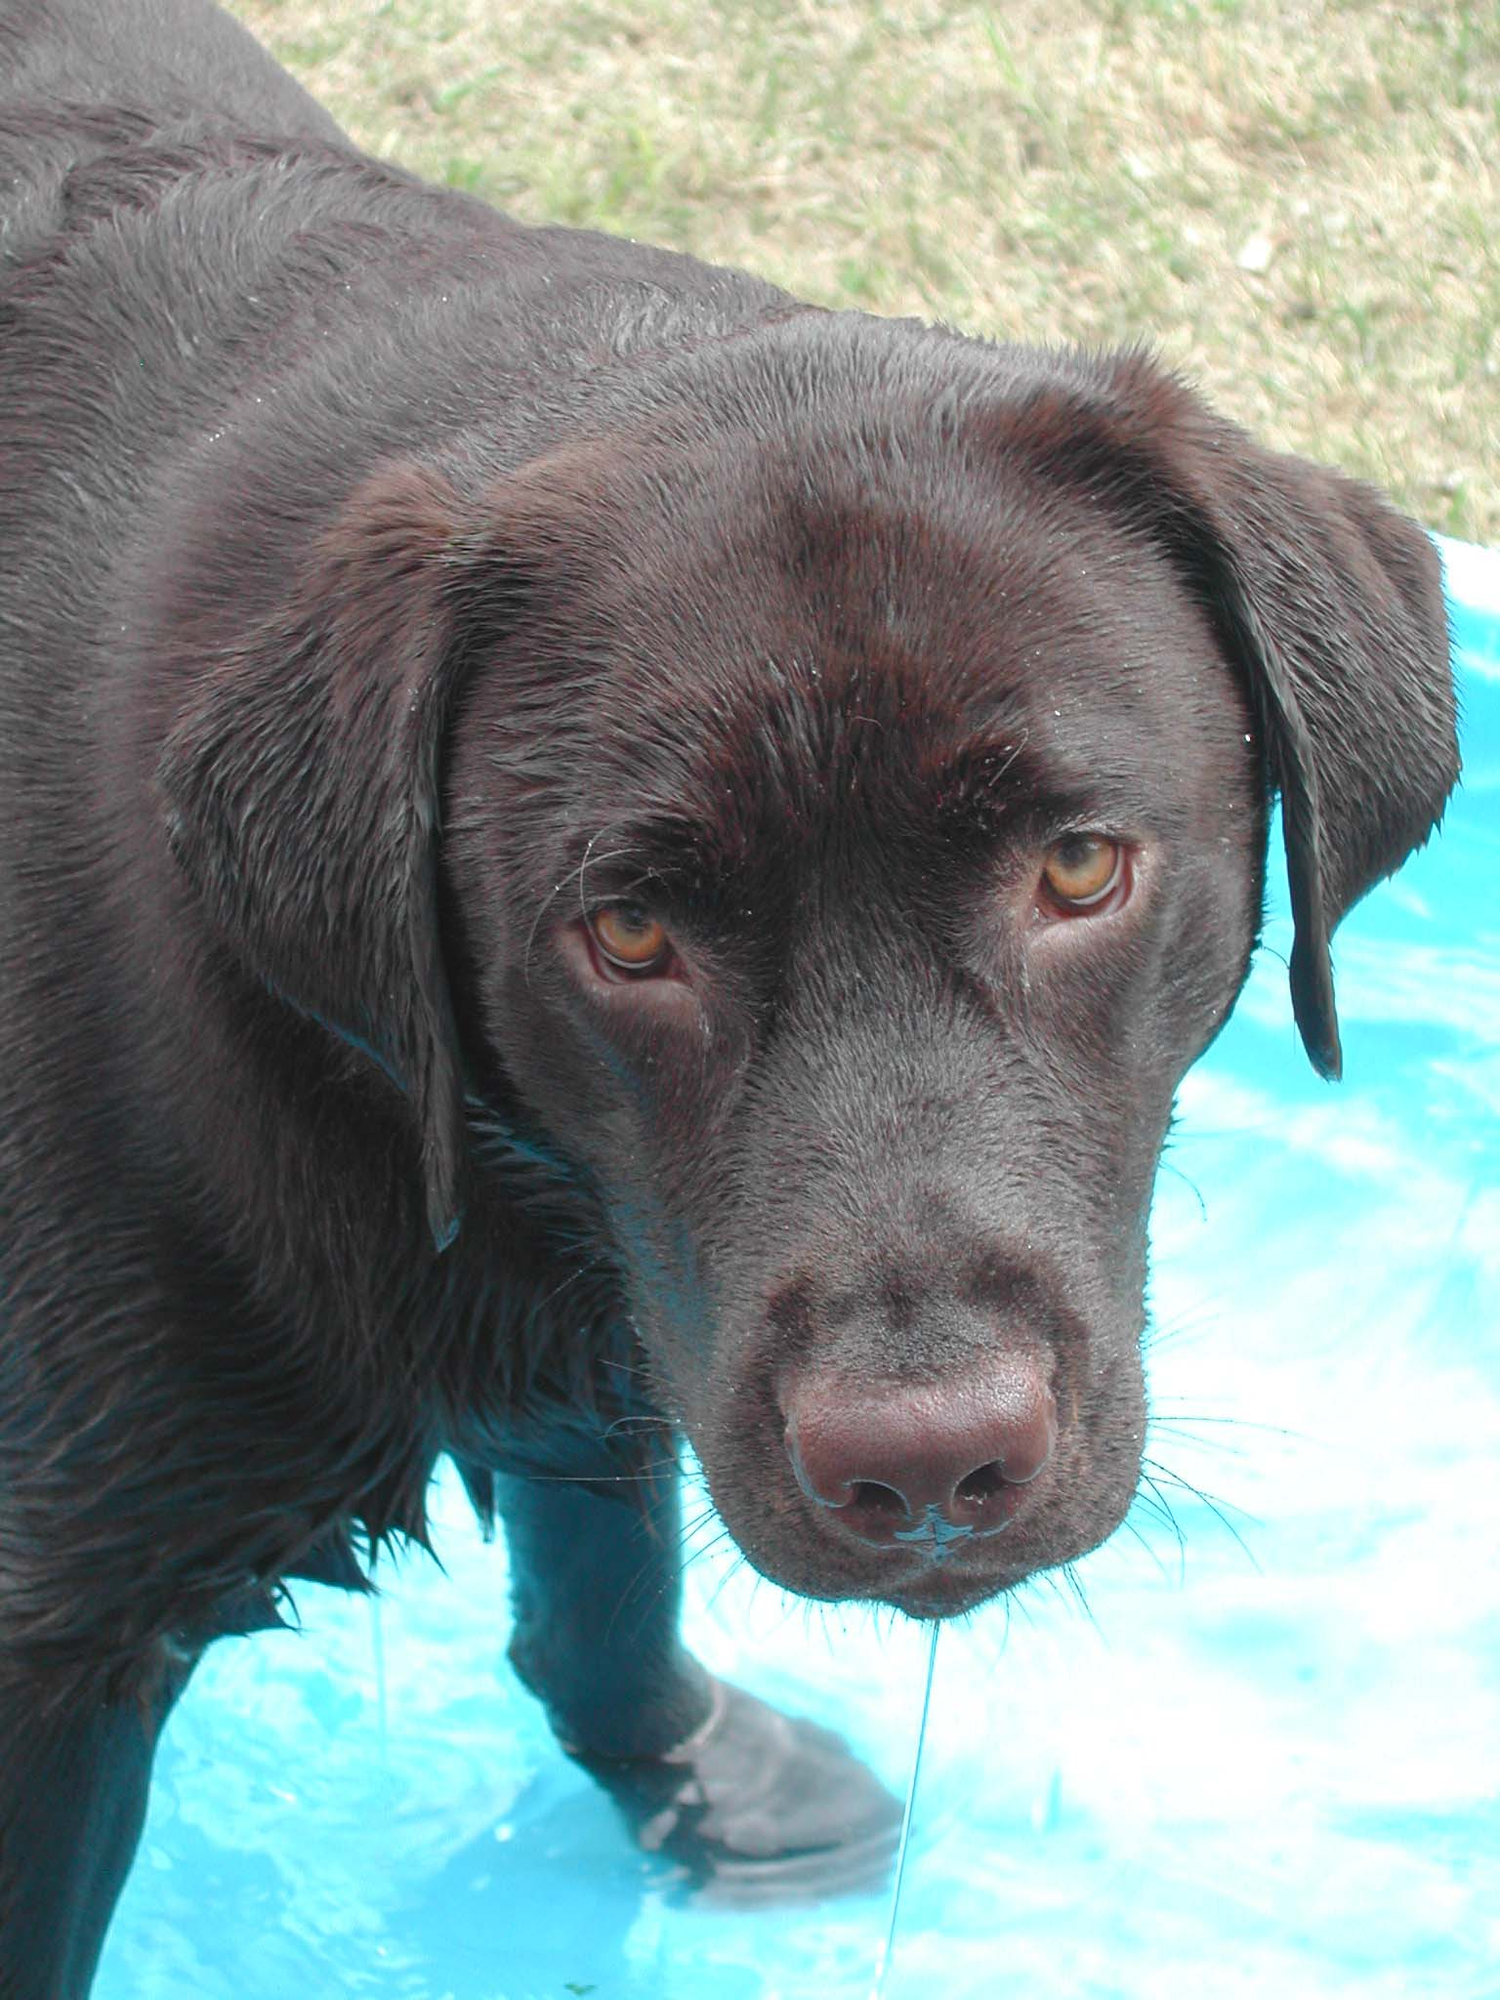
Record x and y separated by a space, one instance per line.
921 1463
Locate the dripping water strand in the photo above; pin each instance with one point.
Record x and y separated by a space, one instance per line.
883 1963
377 1641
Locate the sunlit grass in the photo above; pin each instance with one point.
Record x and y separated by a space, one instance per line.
1296 201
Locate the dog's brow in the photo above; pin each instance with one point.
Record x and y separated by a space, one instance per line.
992 778
984 764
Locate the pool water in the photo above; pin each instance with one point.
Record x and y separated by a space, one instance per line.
1263 1759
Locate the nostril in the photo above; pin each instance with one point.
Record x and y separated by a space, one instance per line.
979 1486
872 1499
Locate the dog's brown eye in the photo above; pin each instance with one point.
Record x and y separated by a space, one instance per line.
630 939
1081 869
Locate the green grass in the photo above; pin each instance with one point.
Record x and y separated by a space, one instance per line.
1086 170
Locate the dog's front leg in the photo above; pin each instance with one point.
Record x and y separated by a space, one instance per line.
73 1782
751 1804
596 1585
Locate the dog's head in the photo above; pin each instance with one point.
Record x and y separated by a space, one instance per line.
850 782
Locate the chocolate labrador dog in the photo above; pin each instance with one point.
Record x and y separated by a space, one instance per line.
591 854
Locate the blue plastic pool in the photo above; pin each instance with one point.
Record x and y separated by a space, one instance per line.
1266 1760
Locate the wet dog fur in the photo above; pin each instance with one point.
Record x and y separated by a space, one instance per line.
386 589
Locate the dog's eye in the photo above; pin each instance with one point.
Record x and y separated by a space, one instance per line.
1082 871
629 939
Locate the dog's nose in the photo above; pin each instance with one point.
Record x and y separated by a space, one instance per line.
922 1463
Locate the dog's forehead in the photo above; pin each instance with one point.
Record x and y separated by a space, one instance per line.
884 650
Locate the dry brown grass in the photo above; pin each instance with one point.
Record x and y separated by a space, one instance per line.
1296 200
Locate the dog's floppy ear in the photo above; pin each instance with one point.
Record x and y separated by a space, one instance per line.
301 787
1329 604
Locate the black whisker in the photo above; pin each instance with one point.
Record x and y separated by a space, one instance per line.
1159 1505
1151 1549
1215 1507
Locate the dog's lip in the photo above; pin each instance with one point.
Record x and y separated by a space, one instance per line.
946 1593
922 1588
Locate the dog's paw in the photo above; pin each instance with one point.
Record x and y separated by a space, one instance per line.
757 1807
